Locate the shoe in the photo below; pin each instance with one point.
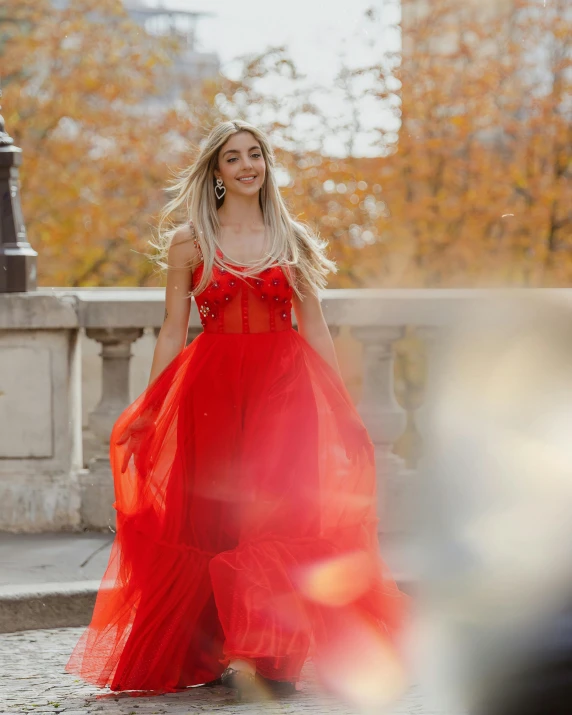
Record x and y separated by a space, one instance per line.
240 680
212 683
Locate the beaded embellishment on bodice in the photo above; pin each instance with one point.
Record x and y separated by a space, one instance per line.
250 304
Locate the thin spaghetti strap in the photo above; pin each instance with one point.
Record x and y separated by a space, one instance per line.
195 239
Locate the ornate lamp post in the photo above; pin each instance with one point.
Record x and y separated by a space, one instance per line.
17 257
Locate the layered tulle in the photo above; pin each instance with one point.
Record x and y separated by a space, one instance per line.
246 524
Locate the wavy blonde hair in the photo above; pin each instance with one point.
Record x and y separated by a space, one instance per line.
292 243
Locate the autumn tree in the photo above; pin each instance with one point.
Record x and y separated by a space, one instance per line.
98 153
76 84
468 183
474 186
479 188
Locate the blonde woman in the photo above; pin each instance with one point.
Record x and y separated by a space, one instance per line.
244 476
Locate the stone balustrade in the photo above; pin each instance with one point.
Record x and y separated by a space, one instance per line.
45 482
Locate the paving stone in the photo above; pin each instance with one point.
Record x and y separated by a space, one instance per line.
33 680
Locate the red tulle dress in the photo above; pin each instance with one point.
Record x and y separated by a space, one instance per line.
246 517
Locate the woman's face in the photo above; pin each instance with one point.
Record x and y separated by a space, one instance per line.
241 164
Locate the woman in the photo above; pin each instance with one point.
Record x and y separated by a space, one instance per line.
244 477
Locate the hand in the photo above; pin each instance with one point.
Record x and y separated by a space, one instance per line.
141 429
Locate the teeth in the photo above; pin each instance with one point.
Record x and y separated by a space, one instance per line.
250 178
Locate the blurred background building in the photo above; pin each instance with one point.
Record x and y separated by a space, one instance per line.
192 65
160 19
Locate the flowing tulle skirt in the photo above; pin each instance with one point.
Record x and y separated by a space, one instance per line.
246 524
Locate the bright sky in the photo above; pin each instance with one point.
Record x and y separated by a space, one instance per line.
316 32
315 37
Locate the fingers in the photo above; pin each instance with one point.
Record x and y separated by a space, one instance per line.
130 432
131 449
133 435
126 458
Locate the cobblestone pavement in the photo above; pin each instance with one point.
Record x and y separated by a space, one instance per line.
33 679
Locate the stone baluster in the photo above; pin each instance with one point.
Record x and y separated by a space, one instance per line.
426 498
97 488
430 336
384 419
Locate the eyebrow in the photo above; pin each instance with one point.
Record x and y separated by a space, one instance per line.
235 151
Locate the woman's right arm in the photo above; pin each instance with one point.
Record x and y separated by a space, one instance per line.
182 257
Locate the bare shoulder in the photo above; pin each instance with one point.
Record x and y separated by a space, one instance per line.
302 284
183 248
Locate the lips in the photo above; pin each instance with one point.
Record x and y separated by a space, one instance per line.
246 179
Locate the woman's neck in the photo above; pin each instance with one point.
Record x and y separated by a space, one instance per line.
240 211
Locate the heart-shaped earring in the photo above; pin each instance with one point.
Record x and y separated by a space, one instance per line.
220 189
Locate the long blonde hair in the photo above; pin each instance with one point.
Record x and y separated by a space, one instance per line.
292 243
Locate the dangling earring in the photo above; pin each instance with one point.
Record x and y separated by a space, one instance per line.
220 189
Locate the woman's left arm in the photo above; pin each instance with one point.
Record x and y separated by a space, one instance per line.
312 325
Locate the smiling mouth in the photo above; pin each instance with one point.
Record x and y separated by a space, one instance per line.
247 179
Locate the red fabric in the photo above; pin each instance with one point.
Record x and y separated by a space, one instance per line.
246 521
255 304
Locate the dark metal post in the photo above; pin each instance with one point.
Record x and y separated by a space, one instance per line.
17 257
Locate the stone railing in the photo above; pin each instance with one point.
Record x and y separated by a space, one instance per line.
46 483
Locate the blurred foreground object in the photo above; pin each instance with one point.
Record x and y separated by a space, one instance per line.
17 257
496 517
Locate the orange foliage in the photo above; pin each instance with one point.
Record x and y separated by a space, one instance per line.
75 82
473 189
477 189
480 187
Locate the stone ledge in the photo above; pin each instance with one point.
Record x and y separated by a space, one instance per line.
53 605
125 307
45 310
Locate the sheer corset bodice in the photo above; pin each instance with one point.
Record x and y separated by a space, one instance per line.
250 304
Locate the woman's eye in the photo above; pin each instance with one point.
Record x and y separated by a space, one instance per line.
254 156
